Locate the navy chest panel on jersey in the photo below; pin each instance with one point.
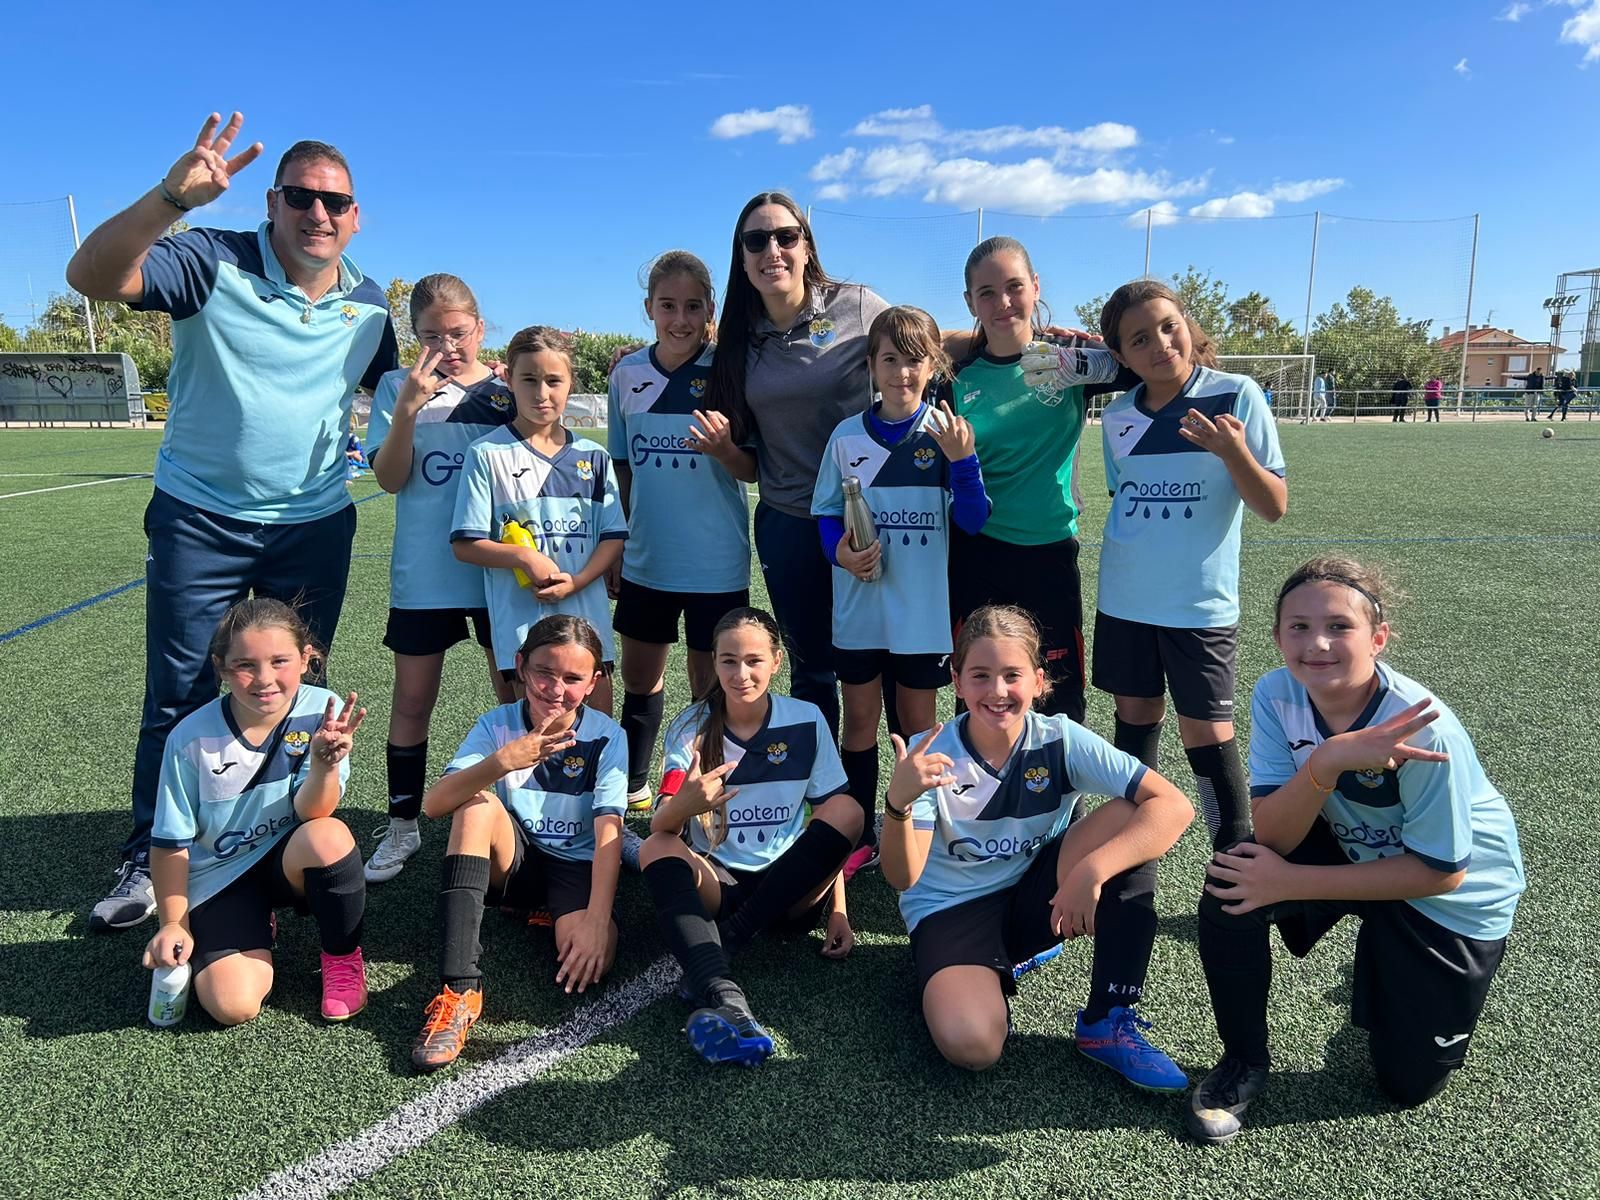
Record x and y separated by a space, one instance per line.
571 773
1161 435
683 392
914 462
229 779
776 754
488 403
1034 783
1370 789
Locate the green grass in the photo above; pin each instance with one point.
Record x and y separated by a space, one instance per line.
1491 531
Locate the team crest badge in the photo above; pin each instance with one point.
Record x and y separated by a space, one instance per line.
697 388
572 766
1370 778
348 314
924 457
1036 779
777 752
822 333
500 403
585 469
296 742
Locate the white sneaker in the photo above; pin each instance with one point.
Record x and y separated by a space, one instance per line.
642 799
400 840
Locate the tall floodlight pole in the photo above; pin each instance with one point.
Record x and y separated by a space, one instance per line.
1311 284
1149 221
1466 332
88 308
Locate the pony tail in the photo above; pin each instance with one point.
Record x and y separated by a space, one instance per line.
713 724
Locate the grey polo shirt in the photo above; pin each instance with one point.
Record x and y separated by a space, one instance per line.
801 382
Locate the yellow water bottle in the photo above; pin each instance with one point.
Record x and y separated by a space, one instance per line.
515 533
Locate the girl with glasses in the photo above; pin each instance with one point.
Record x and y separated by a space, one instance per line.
423 420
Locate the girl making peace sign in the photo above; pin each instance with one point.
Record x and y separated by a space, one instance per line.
244 822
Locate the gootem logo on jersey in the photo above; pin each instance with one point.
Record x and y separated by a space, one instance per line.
668 447
777 752
1036 779
296 742
1163 497
572 766
439 467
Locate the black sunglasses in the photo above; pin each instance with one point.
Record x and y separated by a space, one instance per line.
337 203
755 241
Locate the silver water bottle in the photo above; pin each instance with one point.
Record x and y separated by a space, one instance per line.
858 523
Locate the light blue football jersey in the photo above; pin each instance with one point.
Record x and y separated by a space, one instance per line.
786 767
1448 814
227 801
556 801
423 573
688 519
988 825
570 504
907 487
1171 550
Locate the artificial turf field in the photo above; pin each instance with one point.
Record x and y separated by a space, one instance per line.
1491 531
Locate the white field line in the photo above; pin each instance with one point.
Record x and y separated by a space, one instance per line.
69 486
414 1122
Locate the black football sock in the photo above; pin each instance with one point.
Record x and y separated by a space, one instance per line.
815 857
462 888
1124 936
861 769
1141 741
337 897
1224 794
641 721
408 769
1236 953
690 935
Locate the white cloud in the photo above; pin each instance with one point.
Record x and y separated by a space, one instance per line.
1164 213
1584 30
1240 204
1037 188
894 168
833 191
904 124
1264 204
1305 189
1515 12
835 166
791 122
1461 68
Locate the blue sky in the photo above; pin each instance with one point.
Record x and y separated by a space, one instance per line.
546 155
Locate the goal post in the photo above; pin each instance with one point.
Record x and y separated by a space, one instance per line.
1288 377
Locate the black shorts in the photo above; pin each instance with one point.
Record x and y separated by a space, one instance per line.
1135 659
926 671
998 930
647 615
539 880
425 631
738 886
607 668
1045 581
1419 988
239 917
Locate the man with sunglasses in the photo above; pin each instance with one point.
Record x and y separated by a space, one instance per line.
273 331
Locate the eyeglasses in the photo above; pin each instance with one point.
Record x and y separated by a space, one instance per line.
457 339
337 203
755 241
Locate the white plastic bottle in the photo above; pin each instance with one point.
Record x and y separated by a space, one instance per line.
169 995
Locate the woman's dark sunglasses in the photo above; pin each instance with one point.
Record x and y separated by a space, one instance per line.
337 203
755 241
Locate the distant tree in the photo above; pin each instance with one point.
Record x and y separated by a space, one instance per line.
398 293
1367 344
1204 298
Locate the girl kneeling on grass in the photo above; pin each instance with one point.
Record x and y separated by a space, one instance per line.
981 842
244 822
536 796
1369 800
751 827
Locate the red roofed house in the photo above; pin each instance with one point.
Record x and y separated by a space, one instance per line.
1496 356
